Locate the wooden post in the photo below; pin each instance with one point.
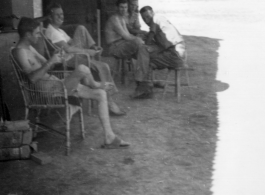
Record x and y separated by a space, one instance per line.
99 25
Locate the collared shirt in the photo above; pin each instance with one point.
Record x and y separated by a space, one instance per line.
166 35
56 35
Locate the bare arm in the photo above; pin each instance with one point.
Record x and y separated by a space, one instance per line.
120 28
29 67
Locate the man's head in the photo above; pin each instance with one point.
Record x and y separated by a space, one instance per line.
133 6
56 14
147 14
28 29
122 6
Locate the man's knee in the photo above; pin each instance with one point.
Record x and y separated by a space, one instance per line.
105 66
81 27
83 69
138 42
102 95
143 49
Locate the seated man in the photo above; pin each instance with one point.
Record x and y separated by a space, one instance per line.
36 67
122 44
82 42
132 19
165 44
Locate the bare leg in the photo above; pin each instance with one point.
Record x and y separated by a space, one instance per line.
101 97
72 83
114 108
82 38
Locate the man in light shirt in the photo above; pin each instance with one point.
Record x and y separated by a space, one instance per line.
82 42
165 44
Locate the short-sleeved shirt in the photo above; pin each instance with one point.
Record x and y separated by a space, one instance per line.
56 35
166 35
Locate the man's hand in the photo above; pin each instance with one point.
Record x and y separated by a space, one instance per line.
97 48
93 52
139 40
55 59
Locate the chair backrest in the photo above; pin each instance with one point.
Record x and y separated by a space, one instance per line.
24 83
49 47
36 94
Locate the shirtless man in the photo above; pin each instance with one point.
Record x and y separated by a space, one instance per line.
82 42
122 44
36 67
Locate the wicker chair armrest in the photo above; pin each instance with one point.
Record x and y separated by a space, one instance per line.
87 56
48 86
60 74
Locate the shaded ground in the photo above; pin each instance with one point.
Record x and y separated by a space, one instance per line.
172 150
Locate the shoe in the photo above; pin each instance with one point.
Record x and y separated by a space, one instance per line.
143 91
117 143
119 113
144 95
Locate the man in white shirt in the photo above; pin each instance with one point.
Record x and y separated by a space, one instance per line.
166 44
82 42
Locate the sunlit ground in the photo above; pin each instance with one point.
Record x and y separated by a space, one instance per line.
239 162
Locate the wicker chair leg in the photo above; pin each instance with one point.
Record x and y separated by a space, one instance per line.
123 70
37 120
82 122
26 113
67 133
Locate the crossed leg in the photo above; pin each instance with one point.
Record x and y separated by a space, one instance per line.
91 89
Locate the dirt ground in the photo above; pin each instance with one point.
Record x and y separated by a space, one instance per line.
172 151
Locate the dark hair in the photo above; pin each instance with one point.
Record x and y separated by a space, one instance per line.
52 6
121 2
26 25
130 1
146 8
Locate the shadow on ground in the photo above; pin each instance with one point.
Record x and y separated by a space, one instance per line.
173 144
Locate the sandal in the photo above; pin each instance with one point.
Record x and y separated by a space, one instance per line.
117 143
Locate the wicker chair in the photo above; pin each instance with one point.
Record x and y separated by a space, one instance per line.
50 48
37 98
